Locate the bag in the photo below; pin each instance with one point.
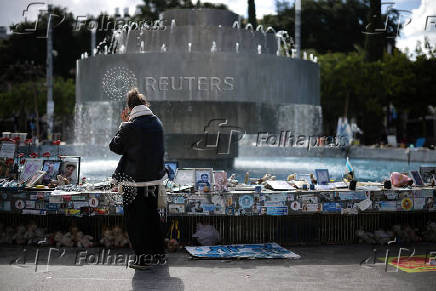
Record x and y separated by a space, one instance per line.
162 197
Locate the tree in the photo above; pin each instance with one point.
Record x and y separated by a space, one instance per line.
252 13
328 25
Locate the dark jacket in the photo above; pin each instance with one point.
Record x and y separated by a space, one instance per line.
141 144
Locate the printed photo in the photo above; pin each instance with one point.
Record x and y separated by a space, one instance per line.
35 178
31 167
69 172
52 169
203 180
171 168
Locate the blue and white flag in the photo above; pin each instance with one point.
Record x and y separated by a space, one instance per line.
348 165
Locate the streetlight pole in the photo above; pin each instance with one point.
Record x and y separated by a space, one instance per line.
49 67
298 28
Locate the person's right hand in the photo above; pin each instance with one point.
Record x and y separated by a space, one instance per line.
125 114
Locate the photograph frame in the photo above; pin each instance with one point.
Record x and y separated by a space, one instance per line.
183 172
54 175
35 178
30 168
167 165
220 183
427 173
199 175
71 159
322 176
417 178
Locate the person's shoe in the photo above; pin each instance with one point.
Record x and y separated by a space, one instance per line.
139 267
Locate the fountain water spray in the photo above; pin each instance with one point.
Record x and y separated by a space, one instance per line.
237 47
163 48
213 48
189 46
259 49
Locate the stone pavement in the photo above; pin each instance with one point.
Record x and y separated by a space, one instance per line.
321 268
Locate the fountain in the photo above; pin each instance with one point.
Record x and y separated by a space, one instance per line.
238 81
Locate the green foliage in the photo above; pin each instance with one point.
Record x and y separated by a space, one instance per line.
151 9
356 88
327 25
27 98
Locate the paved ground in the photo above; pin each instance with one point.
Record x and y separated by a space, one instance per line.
321 267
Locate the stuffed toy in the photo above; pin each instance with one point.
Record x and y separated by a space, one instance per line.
382 237
365 237
119 238
172 245
18 237
84 240
107 239
400 180
57 238
430 233
38 236
30 233
411 234
74 230
8 235
67 240
206 234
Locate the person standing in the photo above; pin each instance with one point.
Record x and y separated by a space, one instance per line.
140 142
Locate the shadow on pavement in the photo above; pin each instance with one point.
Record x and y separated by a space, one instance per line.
158 278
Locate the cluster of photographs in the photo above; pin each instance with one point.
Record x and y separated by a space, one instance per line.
285 203
228 203
45 172
44 203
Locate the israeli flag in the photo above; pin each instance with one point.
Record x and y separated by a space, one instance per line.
348 165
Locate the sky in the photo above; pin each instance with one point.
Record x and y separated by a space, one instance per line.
11 12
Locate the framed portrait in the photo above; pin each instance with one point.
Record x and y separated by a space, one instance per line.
184 176
30 168
70 168
417 179
70 171
52 169
35 178
220 180
176 208
427 173
171 168
203 179
200 206
322 176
